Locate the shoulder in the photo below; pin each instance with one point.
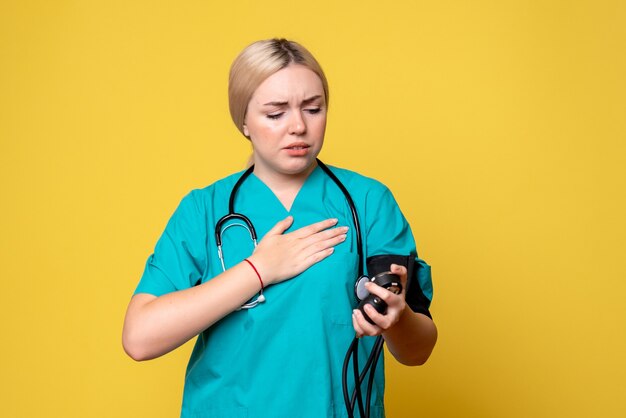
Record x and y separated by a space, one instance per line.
372 198
360 186
202 197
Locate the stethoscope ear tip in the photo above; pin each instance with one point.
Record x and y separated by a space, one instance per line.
261 298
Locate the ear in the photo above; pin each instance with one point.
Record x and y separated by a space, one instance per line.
245 131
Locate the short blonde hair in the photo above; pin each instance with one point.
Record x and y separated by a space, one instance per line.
257 62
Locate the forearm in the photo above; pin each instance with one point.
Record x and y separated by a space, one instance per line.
157 325
412 338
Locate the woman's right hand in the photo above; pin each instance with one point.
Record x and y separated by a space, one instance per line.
280 256
156 325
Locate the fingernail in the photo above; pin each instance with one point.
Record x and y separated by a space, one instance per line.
334 220
342 237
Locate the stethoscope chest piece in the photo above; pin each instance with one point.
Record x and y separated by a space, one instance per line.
386 279
238 220
359 288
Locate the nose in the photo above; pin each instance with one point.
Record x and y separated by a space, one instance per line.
297 126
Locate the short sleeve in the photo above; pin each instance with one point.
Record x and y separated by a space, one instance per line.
388 233
179 259
419 292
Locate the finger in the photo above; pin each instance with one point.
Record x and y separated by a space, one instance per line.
364 326
356 326
322 245
327 234
381 292
380 320
400 271
320 250
281 226
314 228
309 260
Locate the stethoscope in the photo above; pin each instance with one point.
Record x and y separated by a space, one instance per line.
361 294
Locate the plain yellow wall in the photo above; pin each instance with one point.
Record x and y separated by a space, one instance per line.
500 127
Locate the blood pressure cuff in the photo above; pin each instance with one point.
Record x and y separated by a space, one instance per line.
419 286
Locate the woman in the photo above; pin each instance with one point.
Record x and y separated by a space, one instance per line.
280 356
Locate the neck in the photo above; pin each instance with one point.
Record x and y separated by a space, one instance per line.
280 181
284 186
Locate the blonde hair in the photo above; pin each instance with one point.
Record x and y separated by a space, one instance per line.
257 62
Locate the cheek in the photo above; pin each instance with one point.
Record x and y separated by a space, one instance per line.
262 130
318 126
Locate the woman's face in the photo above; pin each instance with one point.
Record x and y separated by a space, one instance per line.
285 121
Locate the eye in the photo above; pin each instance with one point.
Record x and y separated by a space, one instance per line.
275 115
314 110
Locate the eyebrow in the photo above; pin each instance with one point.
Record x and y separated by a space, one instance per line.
304 102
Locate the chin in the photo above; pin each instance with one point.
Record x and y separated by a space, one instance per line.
286 166
298 166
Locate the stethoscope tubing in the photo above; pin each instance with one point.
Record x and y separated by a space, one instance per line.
353 349
355 216
372 361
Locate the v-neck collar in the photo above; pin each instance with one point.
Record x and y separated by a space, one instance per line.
308 182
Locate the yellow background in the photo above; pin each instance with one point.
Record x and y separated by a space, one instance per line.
500 127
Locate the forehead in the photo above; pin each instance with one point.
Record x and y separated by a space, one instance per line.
294 82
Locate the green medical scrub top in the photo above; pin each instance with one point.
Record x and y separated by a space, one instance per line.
284 357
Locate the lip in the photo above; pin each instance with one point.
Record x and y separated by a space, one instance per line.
297 149
297 146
